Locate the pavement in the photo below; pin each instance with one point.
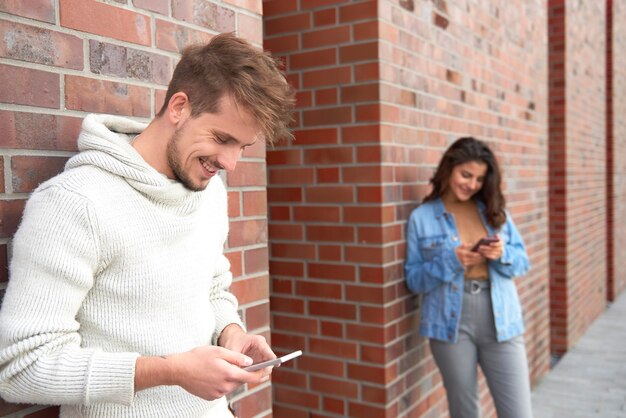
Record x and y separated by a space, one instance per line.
589 381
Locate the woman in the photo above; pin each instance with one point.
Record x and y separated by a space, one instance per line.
470 310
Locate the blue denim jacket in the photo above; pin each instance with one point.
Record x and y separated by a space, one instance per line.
433 269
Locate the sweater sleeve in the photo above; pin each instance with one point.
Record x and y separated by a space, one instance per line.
224 303
55 257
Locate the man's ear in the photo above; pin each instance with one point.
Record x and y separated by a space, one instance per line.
178 108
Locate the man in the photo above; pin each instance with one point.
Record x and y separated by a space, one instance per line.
118 301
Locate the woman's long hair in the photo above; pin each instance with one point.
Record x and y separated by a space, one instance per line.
465 150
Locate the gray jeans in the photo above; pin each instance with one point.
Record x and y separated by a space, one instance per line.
504 364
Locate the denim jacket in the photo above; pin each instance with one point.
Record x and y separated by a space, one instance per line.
433 269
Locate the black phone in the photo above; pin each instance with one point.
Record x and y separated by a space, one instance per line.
484 241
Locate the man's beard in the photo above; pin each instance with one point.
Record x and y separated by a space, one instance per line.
173 159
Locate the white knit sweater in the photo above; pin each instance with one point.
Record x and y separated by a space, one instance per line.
111 261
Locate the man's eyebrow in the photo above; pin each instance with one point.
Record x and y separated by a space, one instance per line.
223 136
226 137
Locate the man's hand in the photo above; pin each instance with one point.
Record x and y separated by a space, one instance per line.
254 346
208 372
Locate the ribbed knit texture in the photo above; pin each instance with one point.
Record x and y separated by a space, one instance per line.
112 260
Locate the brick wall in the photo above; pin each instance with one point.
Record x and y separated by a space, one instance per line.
578 161
62 59
384 87
616 146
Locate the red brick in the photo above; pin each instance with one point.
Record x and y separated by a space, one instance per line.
159 99
2 176
40 46
205 14
285 43
335 406
251 289
359 410
366 30
248 173
328 175
287 305
173 37
367 72
295 324
360 133
38 131
359 11
329 252
328 116
316 214
29 171
234 204
358 52
286 157
327 77
292 23
42 10
360 93
236 262
325 17
253 6
293 250
374 374
257 317
288 341
276 7
280 213
311 59
362 174
286 231
343 349
318 290
326 37
326 96
342 388
250 27
330 194
247 232
331 367
91 95
256 260
292 176
10 216
158 6
314 4
106 20
29 87
286 268
254 203
316 136
284 194
334 155
118 61
295 397
343 272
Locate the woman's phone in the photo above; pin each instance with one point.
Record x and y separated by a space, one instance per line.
274 362
484 241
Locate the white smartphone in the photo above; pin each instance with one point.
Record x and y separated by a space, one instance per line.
273 362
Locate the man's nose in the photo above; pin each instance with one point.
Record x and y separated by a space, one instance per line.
229 159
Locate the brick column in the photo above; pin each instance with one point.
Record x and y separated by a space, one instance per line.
63 59
383 88
578 236
616 147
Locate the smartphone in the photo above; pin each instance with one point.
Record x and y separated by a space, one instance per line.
273 362
484 241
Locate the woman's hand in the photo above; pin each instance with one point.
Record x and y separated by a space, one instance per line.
492 251
467 257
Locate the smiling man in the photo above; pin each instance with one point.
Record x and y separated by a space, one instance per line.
118 303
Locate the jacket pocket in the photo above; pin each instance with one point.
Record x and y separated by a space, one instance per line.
432 246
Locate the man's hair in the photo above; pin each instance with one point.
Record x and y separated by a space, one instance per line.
230 65
465 150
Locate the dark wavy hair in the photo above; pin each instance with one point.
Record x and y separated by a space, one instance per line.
465 150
